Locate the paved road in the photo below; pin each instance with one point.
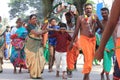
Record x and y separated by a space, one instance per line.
77 75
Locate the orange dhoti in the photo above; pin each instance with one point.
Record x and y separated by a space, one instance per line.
117 51
45 38
72 57
87 46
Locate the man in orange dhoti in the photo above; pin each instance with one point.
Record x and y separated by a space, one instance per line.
73 53
87 25
71 59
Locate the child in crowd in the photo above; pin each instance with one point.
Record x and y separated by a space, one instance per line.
61 49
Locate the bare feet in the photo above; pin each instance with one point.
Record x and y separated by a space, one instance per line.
86 76
69 74
20 71
102 77
1 71
50 70
20 68
64 76
107 76
15 70
57 74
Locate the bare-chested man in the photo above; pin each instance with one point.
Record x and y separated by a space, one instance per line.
107 62
87 24
113 22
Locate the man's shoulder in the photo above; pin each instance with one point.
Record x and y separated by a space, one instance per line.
81 16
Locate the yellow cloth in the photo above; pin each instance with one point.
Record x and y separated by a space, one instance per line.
34 57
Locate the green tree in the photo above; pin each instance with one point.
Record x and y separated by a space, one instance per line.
18 8
79 5
47 8
40 7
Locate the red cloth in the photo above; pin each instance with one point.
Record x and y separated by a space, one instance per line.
62 39
18 43
13 36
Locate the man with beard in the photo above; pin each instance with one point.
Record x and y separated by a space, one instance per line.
87 23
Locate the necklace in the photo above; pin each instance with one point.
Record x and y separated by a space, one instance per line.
91 22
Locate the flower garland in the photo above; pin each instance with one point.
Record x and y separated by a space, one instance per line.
90 25
14 36
93 18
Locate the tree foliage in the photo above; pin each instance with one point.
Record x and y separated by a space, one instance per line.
18 7
79 5
41 7
21 7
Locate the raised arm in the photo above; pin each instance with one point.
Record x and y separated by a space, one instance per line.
99 24
76 31
38 33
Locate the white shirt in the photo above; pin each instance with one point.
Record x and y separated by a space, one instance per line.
13 31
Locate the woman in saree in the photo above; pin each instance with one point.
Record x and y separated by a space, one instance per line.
17 57
34 48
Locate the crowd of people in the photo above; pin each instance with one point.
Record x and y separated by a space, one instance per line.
25 44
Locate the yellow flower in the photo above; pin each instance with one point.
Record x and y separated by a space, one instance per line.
93 17
46 21
86 16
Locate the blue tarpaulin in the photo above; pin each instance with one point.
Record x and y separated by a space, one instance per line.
99 6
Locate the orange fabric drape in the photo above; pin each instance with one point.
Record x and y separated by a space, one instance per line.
72 57
117 51
72 54
45 38
88 48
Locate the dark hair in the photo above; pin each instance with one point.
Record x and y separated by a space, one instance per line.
19 19
105 9
32 16
7 26
62 25
52 19
68 14
88 4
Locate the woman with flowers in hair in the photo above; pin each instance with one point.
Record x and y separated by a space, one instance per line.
17 57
